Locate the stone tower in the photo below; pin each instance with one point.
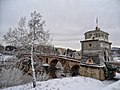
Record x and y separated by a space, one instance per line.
96 48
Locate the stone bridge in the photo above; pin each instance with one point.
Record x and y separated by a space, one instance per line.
61 66
55 66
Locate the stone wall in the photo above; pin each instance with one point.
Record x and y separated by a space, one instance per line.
92 71
90 45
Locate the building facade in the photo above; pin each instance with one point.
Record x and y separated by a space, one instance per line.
96 48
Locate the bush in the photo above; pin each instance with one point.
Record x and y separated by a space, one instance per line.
10 77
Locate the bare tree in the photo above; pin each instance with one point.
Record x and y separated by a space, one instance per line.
18 36
43 77
21 36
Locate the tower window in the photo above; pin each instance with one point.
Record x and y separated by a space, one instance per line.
85 36
96 34
99 35
90 35
90 44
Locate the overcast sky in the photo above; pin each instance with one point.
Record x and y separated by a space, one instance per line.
67 20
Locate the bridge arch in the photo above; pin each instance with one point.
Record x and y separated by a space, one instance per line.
56 68
75 70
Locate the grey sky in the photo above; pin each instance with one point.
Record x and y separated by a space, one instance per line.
67 20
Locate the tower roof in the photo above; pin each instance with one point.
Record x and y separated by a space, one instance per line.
97 33
97 29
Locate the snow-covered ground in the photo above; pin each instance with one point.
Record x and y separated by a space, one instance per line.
116 59
70 83
114 86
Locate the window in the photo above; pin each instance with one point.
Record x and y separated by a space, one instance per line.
90 35
102 35
85 36
96 34
90 44
46 60
99 35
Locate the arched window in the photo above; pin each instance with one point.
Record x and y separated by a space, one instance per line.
46 60
106 56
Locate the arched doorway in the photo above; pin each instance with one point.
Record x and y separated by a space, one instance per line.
75 70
